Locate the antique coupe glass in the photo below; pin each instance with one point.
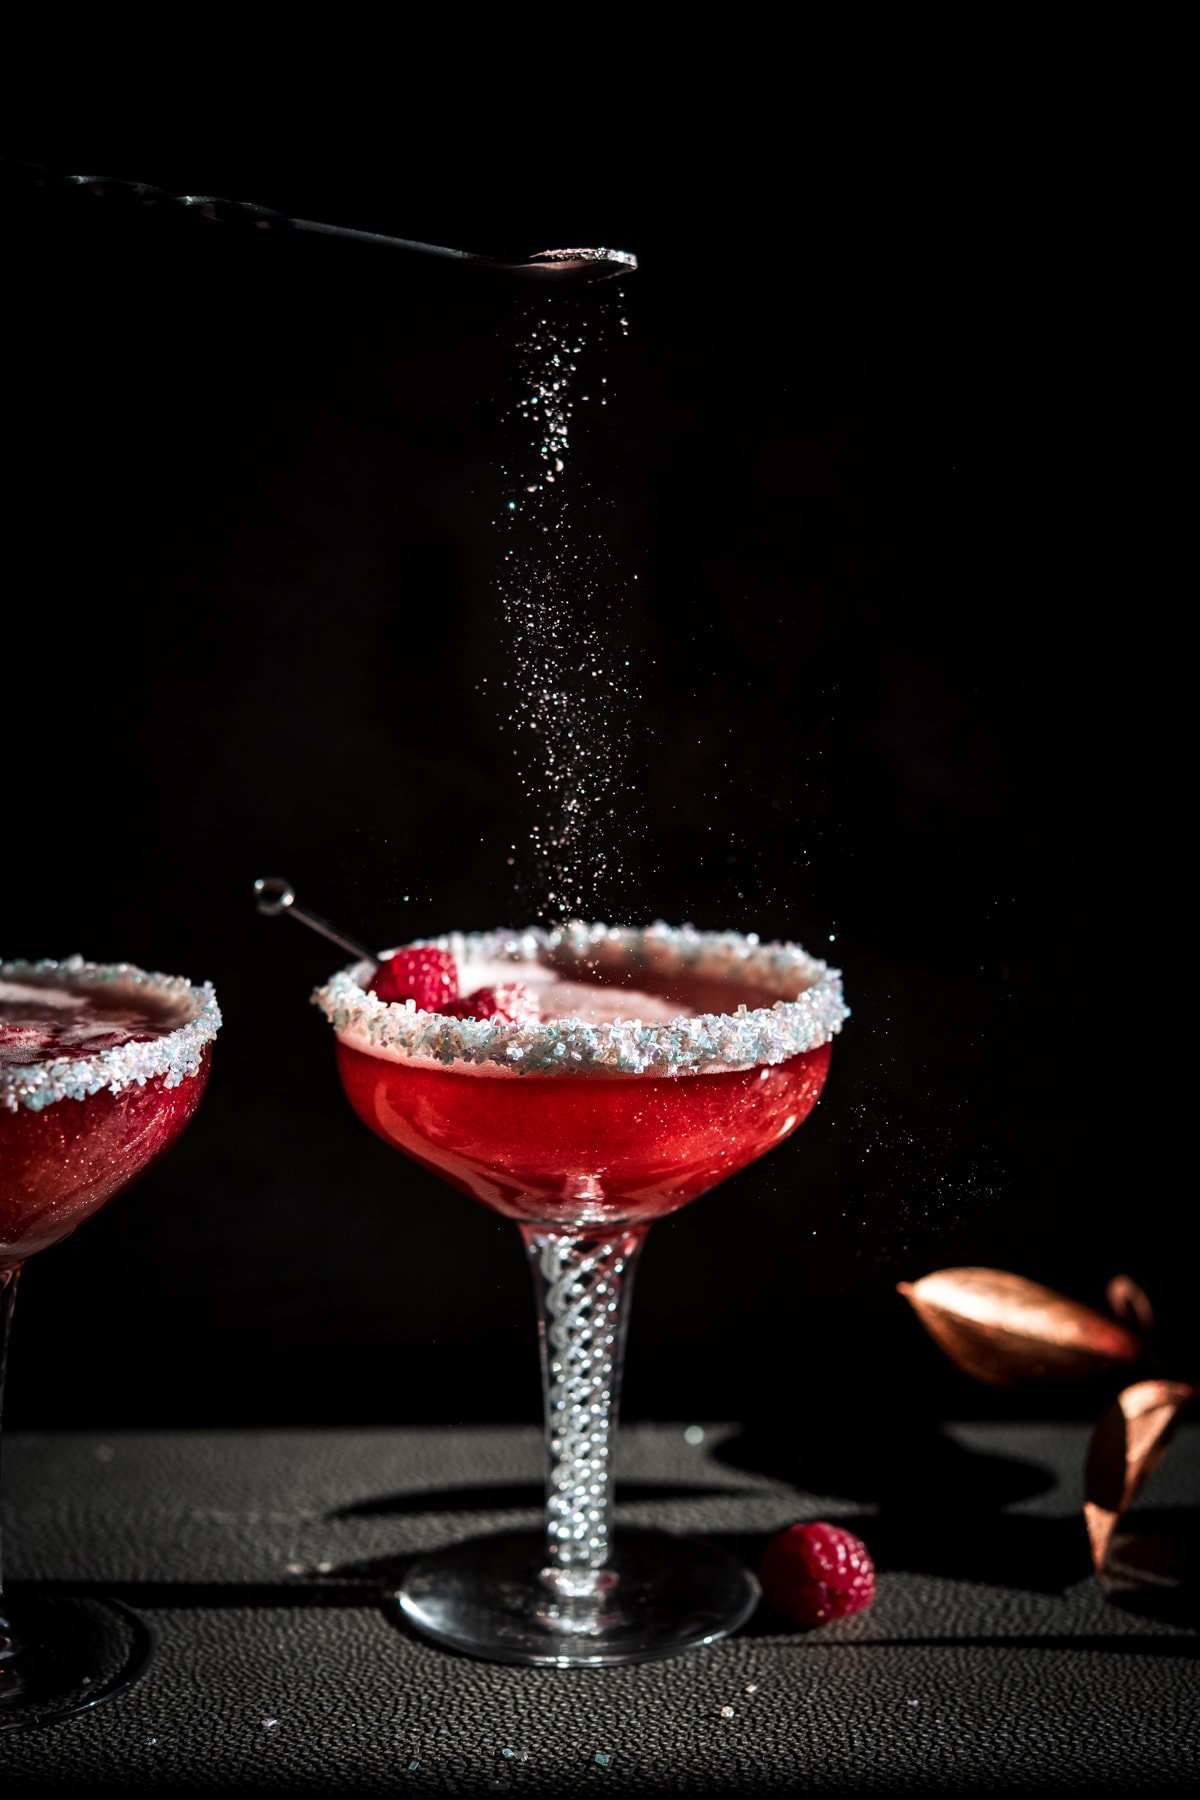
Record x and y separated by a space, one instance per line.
635 1070
101 1069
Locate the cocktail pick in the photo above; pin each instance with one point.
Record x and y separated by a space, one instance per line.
276 896
580 265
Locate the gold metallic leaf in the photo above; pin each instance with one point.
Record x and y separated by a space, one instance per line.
1010 1332
1127 1445
1128 1301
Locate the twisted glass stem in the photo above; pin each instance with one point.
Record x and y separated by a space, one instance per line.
583 1287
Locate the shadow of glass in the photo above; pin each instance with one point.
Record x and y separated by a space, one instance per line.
369 1585
899 1467
1155 1574
501 1496
1013 1551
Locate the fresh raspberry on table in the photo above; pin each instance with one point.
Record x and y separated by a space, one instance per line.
423 975
512 1003
815 1573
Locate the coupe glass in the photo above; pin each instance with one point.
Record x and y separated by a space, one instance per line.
584 1133
101 1068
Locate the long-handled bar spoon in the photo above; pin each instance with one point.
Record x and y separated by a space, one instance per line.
274 896
582 265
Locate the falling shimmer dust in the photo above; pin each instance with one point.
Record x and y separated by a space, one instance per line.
568 696
571 704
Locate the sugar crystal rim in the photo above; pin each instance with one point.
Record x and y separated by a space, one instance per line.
693 1044
175 1056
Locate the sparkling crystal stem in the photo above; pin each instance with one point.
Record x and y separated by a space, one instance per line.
583 1288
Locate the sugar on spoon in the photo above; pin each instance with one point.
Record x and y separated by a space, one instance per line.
580 265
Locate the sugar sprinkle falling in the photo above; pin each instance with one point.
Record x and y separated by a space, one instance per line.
568 696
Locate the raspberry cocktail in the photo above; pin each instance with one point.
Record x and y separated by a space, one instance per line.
101 1068
583 1081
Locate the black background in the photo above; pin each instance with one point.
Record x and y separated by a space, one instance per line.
249 502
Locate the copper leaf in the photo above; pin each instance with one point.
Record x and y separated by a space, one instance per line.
1130 1302
1008 1331
1127 1446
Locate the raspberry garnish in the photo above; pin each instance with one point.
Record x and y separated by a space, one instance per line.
427 977
815 1573
512 1003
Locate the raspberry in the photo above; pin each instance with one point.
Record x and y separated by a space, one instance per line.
512 1003
814 1573
427 977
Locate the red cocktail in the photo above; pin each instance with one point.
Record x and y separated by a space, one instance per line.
60 1162
583 1081
582 1149
101 1068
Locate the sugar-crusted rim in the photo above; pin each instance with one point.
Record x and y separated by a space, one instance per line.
175 1056
706 1042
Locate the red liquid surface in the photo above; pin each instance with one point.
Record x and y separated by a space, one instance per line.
580 1149
61 1164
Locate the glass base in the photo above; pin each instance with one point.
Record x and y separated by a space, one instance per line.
661 1594
61 1655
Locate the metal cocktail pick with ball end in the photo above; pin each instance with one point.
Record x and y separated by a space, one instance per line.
274 896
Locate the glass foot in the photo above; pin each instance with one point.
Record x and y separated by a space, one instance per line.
61 1655
661 1594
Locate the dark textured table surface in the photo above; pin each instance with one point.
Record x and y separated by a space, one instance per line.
990 1660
